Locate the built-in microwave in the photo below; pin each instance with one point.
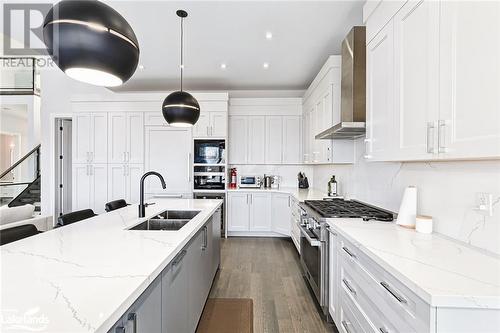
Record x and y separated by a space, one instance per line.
209 151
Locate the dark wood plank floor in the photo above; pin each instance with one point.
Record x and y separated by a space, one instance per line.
268 271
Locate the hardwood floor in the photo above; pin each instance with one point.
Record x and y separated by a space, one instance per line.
268 271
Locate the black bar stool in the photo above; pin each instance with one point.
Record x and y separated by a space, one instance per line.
13 234
74 217
116 204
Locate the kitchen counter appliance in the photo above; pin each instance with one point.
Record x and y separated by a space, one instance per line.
249 181
314 247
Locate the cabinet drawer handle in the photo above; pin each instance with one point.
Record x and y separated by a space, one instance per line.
383 330
346 250
349 287
179 258
346 326
442 137
120 329
430 137
393 293
133 318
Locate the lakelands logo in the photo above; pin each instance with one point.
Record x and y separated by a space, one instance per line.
23 28
30 321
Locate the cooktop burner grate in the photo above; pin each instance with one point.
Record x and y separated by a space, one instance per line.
339 208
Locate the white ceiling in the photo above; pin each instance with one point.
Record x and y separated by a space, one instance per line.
305 33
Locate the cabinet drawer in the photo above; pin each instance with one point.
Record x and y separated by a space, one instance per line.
405 309
352 319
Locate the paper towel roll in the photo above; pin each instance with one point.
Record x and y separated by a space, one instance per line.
408 208
424 224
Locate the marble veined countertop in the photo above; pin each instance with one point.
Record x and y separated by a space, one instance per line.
299 193
84 276
441 271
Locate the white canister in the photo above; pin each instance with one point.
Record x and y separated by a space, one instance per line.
408 208
423 224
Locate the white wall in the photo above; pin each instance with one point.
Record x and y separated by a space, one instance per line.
288 173
447 191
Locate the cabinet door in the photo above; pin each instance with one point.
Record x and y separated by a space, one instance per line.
202 127
281 211
81 187
81 138
117 135
306 130
196 277
292 140
117 185
274 139
256 139
327 118
99 137
168 151
134 174
238 136
416 61
175 288
380 129
238 206
260 211
470 79
99 187
135 137
216 236
333 274
146 311
218 124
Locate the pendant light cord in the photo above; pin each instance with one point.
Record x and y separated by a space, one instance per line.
182 46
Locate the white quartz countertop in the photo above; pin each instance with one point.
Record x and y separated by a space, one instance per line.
84 276
442 272
299 193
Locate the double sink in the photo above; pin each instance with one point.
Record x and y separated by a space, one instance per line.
169 220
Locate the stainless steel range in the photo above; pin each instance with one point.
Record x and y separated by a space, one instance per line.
314 238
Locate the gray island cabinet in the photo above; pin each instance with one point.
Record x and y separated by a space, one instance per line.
174 302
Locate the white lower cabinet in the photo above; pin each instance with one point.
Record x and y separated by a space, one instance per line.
258 213
90 187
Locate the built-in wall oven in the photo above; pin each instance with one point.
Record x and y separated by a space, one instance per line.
209 178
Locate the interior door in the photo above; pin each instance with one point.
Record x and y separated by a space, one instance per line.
81 138
135 137
238 145
168 151
239 214
470 79
256 139
218 123
117 185
274 139
99 137
260 212
416 60
117 134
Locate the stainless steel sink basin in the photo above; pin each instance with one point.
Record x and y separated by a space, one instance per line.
168 220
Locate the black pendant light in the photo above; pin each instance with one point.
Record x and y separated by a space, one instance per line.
180 108
91 42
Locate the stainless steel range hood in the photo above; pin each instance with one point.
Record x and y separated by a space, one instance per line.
353 89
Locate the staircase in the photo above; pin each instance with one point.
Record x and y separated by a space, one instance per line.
20 183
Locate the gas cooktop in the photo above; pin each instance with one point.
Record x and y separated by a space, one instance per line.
338 208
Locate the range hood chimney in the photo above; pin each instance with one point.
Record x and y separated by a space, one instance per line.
353 89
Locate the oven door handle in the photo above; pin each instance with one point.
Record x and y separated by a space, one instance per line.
312 242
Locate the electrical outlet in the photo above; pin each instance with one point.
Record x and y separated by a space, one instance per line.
484 203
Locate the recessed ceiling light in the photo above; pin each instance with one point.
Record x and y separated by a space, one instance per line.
269 35
223 66
265 65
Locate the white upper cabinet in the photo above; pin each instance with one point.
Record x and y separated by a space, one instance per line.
168 151
256 140
238 133
380 130
292 140
211 124
126 137
274 137
90 142
445 57
416 60
470 79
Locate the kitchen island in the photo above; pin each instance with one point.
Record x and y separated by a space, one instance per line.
87 276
